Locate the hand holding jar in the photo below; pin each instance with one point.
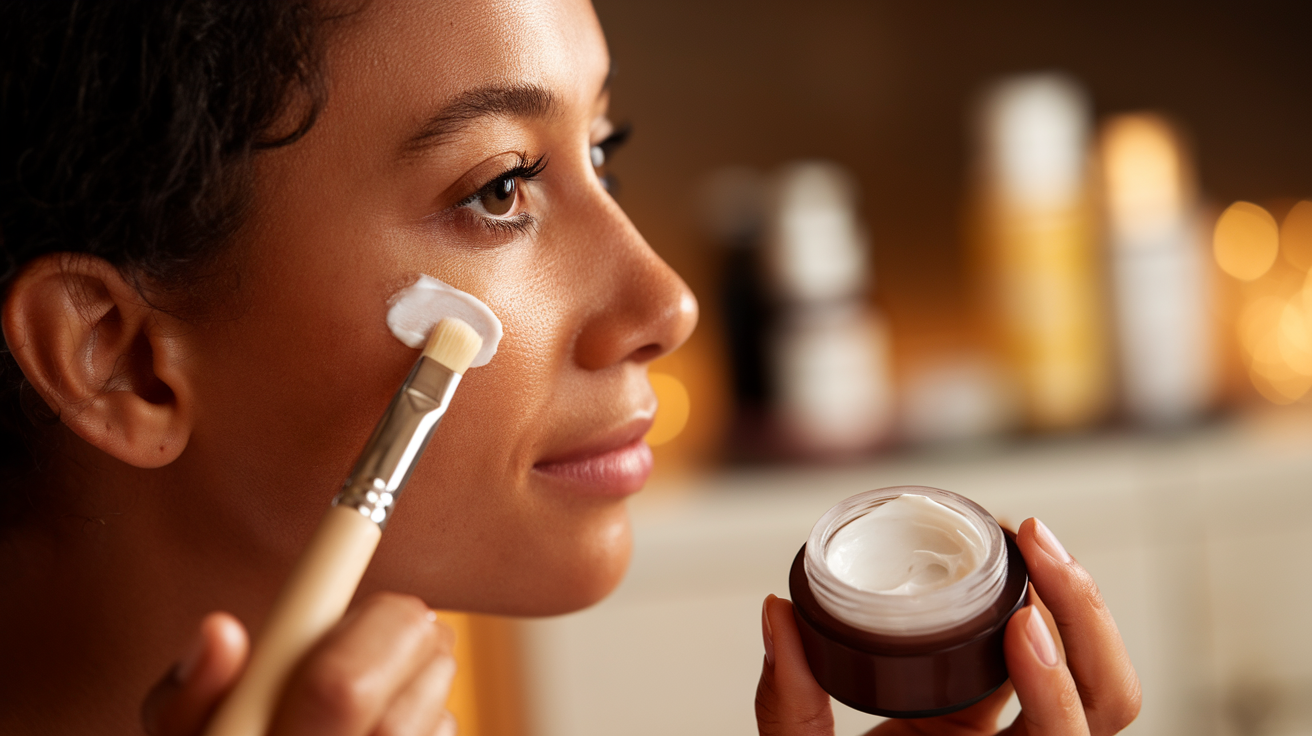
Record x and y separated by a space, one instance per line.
1078 681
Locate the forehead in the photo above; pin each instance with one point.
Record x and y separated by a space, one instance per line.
425 53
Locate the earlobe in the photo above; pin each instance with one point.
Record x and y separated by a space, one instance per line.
103 359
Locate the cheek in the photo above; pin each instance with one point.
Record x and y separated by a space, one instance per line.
475 531
288 393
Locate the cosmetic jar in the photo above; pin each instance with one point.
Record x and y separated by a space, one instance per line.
902 597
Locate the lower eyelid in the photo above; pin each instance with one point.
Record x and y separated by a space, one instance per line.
510 227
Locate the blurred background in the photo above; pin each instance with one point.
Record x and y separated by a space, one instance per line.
1052 256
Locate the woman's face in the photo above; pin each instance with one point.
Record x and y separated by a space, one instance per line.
518 505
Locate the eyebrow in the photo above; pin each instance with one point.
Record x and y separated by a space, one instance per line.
521 101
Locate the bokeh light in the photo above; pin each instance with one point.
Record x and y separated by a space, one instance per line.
1255 323
1295 346
1275 324
1296 236
1246 241
673 408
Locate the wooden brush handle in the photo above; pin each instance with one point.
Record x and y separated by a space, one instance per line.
312 600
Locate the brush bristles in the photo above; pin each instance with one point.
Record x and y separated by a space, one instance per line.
453 344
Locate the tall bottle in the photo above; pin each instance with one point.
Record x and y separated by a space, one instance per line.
1159 271
1038 248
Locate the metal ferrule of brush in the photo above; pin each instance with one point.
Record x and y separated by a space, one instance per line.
399 439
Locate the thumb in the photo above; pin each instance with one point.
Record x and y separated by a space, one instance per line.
181 702
789 702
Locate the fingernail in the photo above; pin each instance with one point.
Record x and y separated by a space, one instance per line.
187 665
432 616
1048 541
1041 639
766 633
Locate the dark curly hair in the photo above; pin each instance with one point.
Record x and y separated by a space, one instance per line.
128 129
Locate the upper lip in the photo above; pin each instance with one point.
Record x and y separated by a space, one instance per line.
622 436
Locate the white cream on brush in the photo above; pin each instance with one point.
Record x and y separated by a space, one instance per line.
908 546
417 308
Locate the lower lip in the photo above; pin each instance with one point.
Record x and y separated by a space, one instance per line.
618 473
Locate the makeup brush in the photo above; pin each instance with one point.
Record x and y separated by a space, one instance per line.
330 567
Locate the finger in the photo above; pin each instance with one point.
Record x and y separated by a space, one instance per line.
1049 702
1095 653
421 706
789 702
181 703
348 679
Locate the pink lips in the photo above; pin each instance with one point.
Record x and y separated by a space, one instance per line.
617 465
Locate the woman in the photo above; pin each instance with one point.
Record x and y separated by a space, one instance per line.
206 206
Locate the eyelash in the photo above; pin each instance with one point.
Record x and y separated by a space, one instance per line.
526 170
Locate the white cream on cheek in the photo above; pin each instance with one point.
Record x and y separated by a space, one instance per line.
417 308
907 546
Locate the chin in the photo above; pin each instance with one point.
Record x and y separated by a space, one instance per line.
582 576
565 572
589 588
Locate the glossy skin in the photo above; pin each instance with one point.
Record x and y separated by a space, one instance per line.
210 446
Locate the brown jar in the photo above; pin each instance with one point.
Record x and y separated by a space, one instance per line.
909 655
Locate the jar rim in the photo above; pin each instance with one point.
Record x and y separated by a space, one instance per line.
900 614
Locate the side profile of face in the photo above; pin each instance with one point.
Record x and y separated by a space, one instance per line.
423 162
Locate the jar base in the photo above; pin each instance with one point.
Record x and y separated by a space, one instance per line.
921 713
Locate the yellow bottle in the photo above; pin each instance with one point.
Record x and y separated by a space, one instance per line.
1038 256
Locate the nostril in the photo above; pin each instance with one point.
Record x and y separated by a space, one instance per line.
647 353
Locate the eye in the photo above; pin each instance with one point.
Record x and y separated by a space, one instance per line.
499 197
503 205
601 153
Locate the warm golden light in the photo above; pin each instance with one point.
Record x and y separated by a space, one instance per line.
674 407
1296 236
1256 324
1246 241
1144 178
1295 345
1275 333
1280 385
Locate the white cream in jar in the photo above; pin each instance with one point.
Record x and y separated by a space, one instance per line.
907 546
906 561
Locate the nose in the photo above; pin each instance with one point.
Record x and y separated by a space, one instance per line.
644 309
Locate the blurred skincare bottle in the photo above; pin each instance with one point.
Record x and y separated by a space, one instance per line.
1159 272
1038 258
731 202
828 347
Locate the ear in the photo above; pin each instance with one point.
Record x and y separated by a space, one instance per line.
109 364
